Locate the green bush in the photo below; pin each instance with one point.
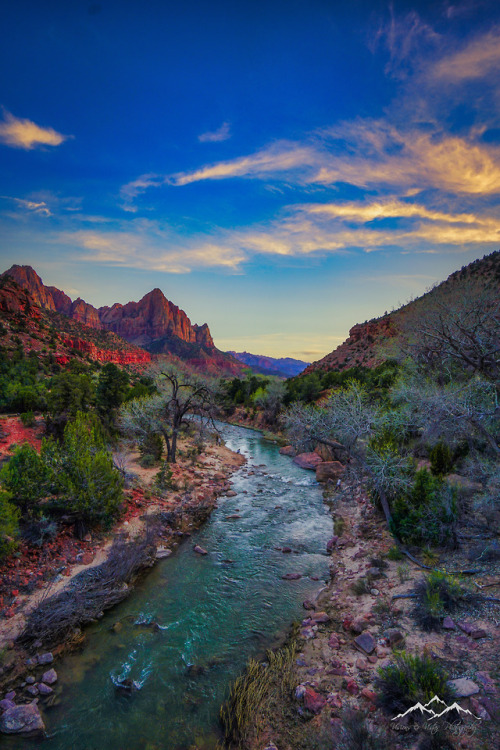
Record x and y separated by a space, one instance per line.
427 513
27 478
441 458
147 461
152 445
87 482
408 680
28 419
9 526
436 595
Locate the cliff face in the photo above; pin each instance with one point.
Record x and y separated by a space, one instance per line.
153 317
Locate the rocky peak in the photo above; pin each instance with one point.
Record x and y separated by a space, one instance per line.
28 278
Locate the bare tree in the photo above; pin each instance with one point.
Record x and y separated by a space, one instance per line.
180 393
457 329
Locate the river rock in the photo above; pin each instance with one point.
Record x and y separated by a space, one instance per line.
329 470
291 576
308 604
6 703
231 493
49 677
463 687
22 719
320 617
307 460
32 690
313 701
287 450
45 658
162 552
365 642
448 623
44 689
200 550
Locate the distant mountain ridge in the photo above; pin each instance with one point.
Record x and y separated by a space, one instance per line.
154 323
285 367
362 347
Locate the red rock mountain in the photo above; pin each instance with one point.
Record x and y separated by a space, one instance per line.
368 342
48 333
153 322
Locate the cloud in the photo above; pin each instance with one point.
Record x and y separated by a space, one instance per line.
34 207
406 38
221 134
278 158
477 59
26 134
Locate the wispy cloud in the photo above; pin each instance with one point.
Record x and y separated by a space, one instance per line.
31 206
26 134
479 58
221 134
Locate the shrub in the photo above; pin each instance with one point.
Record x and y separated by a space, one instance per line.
355 734
410 679
360 587
147 461
9 527
28 419
87 482
426 514
152 445
436 595
39 531
441 458
26 477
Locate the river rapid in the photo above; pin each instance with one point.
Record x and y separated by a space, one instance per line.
191 624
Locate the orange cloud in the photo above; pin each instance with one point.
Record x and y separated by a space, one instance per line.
26 134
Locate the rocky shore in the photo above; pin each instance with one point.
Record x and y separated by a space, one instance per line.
168 515
357 626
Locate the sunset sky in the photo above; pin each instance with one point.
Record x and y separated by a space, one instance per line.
281 169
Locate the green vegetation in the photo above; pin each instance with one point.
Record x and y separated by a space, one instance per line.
427 512
408 680
73 476
9 524
437 595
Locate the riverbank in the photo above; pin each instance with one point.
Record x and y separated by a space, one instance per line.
190 494
357 626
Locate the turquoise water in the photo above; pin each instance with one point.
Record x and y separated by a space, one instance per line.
212 616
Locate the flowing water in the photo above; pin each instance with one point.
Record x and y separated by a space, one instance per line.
213 612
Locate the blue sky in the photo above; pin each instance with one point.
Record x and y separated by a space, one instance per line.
281 169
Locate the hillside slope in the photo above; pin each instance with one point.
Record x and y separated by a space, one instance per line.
369 342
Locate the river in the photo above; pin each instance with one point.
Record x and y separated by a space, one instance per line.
213 612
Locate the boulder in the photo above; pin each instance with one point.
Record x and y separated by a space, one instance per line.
394 636
45 658
320 617
329 470
6 703
463 687
332 543
365 642
313 701
448 623
22 719
307 460
287 450
291 576
200 550
162 552
49 677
